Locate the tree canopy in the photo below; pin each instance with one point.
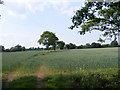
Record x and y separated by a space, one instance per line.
2 48
48 39
101 16
1 2
16 48
61 44
70 46
114 43
95 45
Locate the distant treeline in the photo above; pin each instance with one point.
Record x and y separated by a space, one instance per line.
18 48
65 46
93 45
13 49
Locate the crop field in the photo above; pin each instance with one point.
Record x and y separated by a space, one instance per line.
32 65
31 61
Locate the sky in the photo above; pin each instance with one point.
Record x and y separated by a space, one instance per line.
23 21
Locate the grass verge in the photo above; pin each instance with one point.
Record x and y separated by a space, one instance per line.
80 80
23 82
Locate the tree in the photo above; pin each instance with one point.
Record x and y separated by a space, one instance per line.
23 48
101 16
80 47
106 45
67 46
17 48
70 46
88 45
2 48
48 39
114 43
1 2
96 45
61 44
12 49
7 50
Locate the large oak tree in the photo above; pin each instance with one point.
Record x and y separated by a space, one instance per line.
48 39
101 16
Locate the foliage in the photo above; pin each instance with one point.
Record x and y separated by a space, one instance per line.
80 47
1 2
70 46
35 48
23 82
61 44
7 50
114 43
15 48
80 80
106 45
2 48
101 16
48 38
88 45
100 78
95 45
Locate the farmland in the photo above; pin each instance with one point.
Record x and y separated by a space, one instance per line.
42 63
66 59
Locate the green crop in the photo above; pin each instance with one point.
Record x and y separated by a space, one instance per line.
76 59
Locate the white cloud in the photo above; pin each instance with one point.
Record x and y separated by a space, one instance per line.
69 11
20 8
7 35
10 12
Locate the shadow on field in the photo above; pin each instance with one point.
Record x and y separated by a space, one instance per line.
5 83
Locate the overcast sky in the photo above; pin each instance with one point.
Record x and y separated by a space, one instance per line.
23 21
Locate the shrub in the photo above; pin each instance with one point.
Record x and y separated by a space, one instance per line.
91 80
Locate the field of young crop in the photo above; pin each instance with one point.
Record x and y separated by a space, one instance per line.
77 59
96 67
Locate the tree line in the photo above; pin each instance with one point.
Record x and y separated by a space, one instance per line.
60 45
51 41
19 48
13 49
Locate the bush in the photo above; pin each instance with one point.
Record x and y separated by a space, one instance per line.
92 80
7 50
114 43
96 45
70 46
105 45
80 47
